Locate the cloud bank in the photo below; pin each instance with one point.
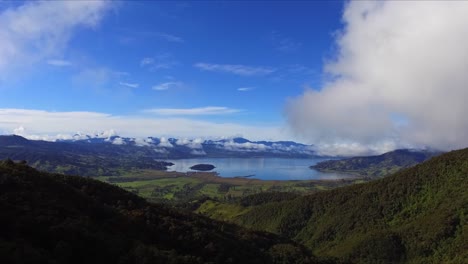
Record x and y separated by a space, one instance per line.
45 125
40 30
399 79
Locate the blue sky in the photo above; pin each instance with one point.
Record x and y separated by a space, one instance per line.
349 77
245 58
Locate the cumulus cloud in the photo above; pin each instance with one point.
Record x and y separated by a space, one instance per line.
141 142
38 30
236 69
164 143
399 79
118 141
247 146
190 143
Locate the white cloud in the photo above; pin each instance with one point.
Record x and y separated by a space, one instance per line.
46 125
161 150
247 146
209 110
242 70
164 143
118 141
167 86
193 144
38 30
162 61
245 89
59 63
169 37
143 141
399 76
131 85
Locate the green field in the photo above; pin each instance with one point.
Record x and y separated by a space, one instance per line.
176 188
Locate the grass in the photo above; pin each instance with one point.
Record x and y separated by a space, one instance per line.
179 187
221 211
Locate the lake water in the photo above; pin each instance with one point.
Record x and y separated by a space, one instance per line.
259 168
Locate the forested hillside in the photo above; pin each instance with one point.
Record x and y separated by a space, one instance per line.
52 218
380 165
418 215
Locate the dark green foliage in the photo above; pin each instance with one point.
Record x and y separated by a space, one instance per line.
52 218
418 215
267 197
381 165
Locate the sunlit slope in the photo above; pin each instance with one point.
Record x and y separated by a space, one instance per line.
418 215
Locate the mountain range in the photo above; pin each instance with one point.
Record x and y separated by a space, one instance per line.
112 156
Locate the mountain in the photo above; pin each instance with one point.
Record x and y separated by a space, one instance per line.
417 215
232 147
79 158
380 165
52 218
114 155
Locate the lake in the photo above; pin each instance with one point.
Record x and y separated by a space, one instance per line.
259 168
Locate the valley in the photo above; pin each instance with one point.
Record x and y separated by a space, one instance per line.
417 215
181 188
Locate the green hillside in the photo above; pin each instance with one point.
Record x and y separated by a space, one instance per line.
380 165
418 215
52 218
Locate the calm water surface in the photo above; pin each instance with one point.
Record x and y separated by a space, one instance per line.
259 168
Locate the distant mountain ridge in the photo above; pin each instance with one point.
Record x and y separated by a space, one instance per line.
185 148
379 165
231 147
113 155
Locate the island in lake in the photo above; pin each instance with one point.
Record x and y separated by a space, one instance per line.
202 167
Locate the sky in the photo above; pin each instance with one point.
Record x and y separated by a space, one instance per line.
349 77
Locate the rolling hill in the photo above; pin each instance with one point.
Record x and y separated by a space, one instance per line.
380 165
417 215
52 218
